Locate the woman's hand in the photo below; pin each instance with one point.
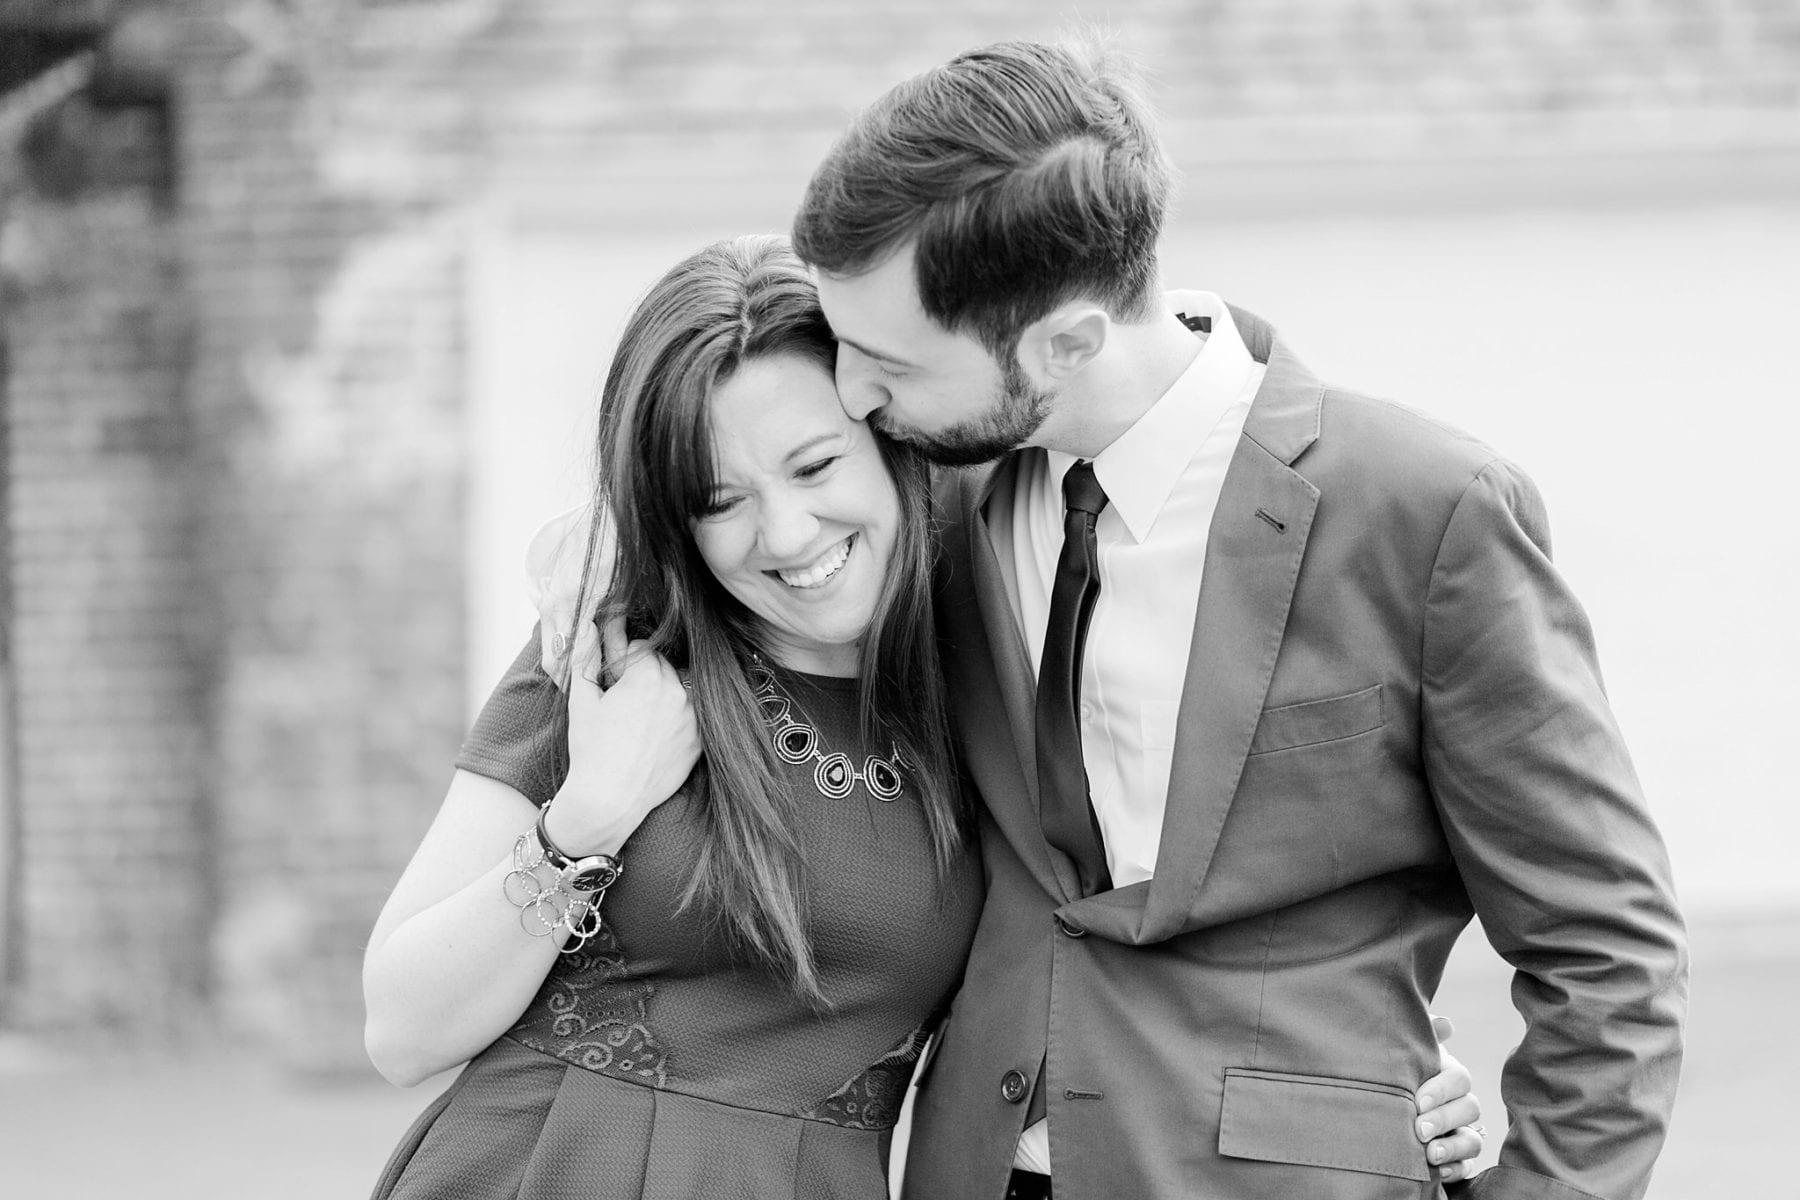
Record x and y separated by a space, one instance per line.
632 743
1449 1113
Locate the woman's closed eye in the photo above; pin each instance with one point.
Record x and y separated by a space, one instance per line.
720 506
817 467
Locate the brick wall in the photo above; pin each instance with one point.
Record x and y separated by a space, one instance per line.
327 400
107 734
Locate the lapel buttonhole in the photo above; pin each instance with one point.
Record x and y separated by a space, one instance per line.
1274 522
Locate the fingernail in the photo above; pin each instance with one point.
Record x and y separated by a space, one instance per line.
1426 1129
1428 1100
1437 1154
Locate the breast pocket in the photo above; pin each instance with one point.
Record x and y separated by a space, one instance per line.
1316 722
1314 1121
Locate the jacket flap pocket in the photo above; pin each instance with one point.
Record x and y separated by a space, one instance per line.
1311 1120
1294 725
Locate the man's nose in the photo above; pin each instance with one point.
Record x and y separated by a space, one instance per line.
858 391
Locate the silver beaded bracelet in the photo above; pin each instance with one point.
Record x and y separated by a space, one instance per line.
553 891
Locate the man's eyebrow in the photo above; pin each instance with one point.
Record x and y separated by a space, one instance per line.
871 352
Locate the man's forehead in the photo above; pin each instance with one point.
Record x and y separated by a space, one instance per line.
878 311
886 285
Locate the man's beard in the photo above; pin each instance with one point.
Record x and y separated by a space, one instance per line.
1017 413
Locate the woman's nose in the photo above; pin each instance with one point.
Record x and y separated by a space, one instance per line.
789 528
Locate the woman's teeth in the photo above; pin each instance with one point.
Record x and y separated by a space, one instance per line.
828 564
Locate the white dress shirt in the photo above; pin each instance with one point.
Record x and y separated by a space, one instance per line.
1162 479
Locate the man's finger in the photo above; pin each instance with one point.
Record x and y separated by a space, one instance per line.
615 647
556 627
587 657
553 563
1442 1029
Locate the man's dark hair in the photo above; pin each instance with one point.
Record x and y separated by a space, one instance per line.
1023 175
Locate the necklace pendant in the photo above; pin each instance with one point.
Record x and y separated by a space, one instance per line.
834 775
798 743
882 779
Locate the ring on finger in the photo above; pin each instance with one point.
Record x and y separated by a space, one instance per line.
559 643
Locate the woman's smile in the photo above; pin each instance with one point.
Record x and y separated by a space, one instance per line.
821 570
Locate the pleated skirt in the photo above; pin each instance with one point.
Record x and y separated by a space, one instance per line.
518 1124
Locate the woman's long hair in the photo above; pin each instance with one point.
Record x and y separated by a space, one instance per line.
733 302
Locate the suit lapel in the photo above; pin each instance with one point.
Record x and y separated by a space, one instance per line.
1252 562
1254 549
990 673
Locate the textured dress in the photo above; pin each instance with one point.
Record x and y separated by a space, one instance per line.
655 1062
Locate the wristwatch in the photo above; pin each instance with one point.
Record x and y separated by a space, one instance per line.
592 873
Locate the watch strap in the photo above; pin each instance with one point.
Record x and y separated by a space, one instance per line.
589 873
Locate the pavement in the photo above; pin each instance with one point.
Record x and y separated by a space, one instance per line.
158 1127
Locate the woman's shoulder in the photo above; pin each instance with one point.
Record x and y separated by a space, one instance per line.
520 736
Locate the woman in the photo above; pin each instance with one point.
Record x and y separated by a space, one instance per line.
788 918
731 1002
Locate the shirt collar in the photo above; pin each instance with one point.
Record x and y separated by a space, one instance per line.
1140 469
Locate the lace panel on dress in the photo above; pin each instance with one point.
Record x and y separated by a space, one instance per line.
587 1013
872 1100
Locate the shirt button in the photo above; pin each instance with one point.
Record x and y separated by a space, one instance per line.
1087 712
1013 1087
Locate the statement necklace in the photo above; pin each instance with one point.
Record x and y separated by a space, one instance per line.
798 743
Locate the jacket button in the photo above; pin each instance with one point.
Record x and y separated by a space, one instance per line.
1013 1086
1068 927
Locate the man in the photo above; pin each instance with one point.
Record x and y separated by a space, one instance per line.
1284 692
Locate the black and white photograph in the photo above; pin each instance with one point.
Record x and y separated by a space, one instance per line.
785 600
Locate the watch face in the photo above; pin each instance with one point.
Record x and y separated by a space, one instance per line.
592 874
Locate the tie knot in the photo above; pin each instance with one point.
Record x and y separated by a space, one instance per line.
1081 491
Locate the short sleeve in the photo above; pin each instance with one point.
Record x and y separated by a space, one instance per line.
521 736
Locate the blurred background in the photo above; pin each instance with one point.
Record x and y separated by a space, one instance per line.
305 309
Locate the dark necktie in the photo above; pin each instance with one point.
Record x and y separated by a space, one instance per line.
1063 806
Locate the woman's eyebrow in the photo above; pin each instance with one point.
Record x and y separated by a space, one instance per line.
809 445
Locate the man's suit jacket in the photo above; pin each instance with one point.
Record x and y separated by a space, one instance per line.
1392 718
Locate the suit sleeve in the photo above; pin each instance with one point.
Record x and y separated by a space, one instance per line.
1567 872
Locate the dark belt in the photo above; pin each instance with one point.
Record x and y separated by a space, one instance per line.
1028 1185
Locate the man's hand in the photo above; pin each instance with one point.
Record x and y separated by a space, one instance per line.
553 565
1449 1113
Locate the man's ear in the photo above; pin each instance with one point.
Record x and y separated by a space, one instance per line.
1059 345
